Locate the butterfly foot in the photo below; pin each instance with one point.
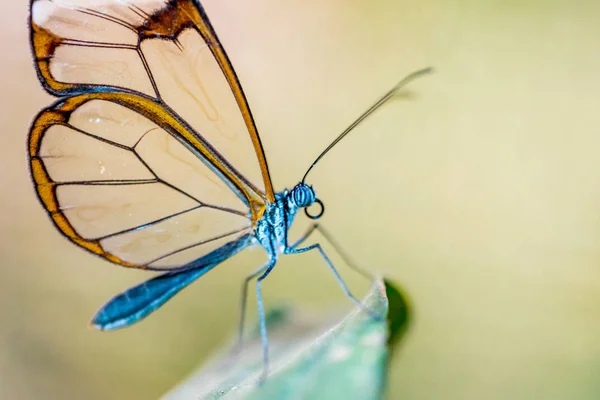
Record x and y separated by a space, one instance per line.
263 377
374 315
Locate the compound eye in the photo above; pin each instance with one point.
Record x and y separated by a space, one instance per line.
317 215
299 197
303 196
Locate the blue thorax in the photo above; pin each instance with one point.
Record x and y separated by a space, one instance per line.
272 229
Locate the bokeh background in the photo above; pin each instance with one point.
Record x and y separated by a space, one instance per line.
478 192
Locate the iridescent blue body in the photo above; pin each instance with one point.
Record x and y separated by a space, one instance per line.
272 229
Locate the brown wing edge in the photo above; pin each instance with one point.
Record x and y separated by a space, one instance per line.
167 23
210 36
59 114
46 188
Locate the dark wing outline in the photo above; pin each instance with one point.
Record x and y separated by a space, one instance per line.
165 23
60 113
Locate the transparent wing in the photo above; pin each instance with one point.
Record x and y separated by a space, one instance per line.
141 164
163 49
138 302
129 187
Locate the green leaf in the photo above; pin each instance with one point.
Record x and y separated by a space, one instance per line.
310 358
398 316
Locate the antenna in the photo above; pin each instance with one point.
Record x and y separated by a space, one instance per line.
371 109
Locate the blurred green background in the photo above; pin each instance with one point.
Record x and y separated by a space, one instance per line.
479 194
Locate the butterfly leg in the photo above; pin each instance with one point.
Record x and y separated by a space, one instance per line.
336 246
261 315
347 292
244 300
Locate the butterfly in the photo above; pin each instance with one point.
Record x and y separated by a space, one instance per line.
145 158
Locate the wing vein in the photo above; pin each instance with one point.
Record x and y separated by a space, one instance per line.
106 17
138 11
196 244
183 192
148 224
148 71
115 182
226 209
104 45
100 138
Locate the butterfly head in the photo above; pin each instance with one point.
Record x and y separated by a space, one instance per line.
303 196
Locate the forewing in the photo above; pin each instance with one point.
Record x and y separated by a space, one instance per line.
165 50
141 162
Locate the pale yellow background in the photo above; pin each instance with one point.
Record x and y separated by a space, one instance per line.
480 194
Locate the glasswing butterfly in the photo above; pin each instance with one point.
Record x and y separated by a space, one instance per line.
145 158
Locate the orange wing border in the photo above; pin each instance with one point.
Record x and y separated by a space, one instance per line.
166 23
210 36
59 114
